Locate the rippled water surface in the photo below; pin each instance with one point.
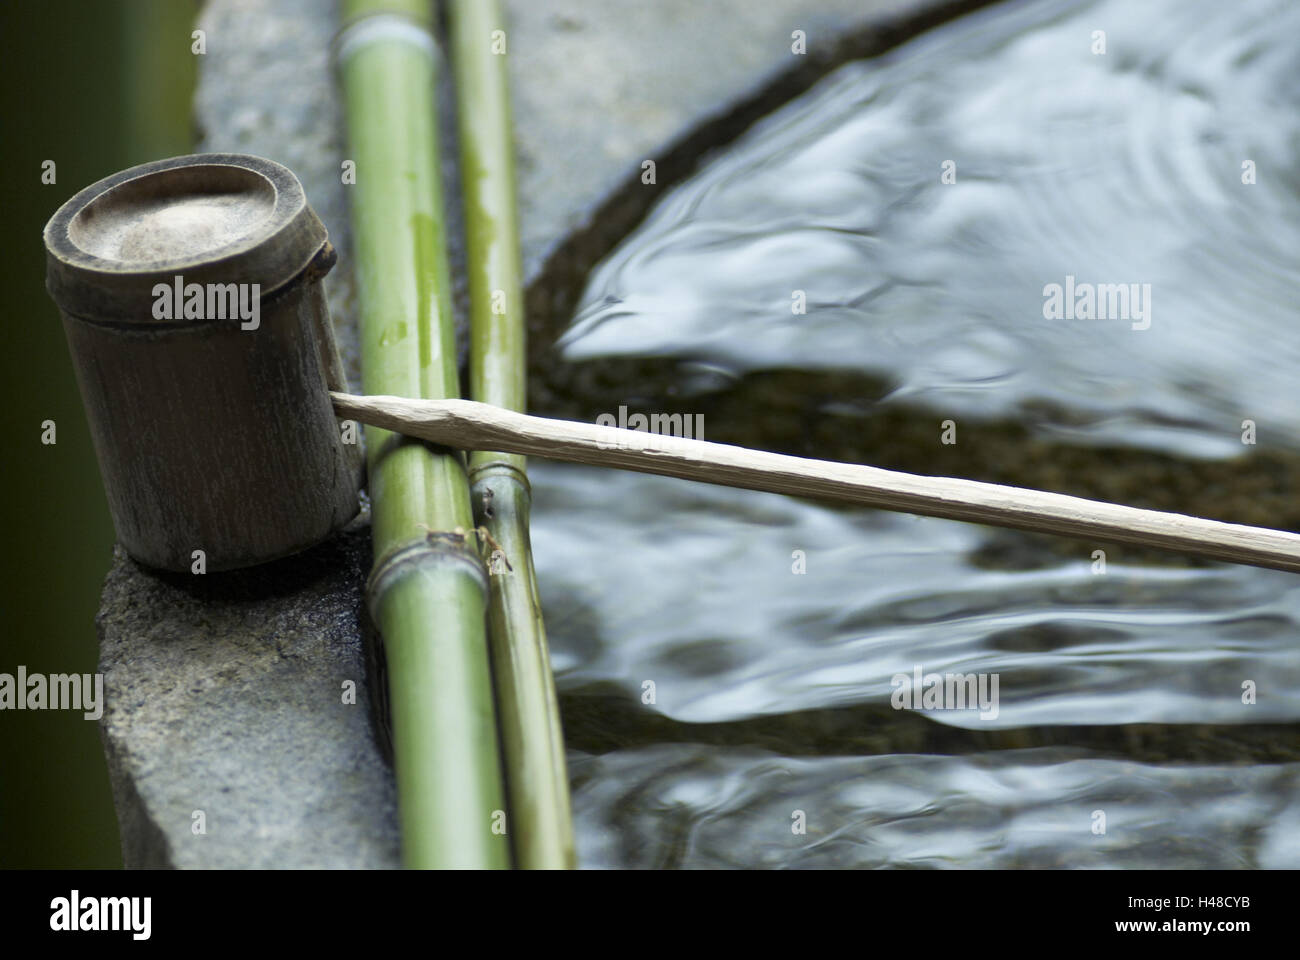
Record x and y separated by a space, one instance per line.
1119 168
1120 690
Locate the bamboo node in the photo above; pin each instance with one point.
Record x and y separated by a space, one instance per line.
437 548
460 536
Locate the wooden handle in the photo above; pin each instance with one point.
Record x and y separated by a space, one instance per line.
477 426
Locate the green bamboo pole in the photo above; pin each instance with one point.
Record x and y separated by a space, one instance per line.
427 589
531 736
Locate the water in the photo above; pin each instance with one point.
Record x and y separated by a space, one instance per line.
1118 168
1120 692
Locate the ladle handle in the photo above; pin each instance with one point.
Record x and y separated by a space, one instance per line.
468 425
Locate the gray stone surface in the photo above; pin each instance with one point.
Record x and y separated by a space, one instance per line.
224 692
230 740
600 86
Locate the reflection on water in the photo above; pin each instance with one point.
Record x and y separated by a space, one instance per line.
675 806
1117 168
690 586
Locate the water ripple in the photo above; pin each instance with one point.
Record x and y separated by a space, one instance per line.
1114 169
691 587
683 599
676 806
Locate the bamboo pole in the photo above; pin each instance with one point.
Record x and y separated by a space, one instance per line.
475 426
527 705
427 588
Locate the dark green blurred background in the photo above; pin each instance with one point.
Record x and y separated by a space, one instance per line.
95 86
